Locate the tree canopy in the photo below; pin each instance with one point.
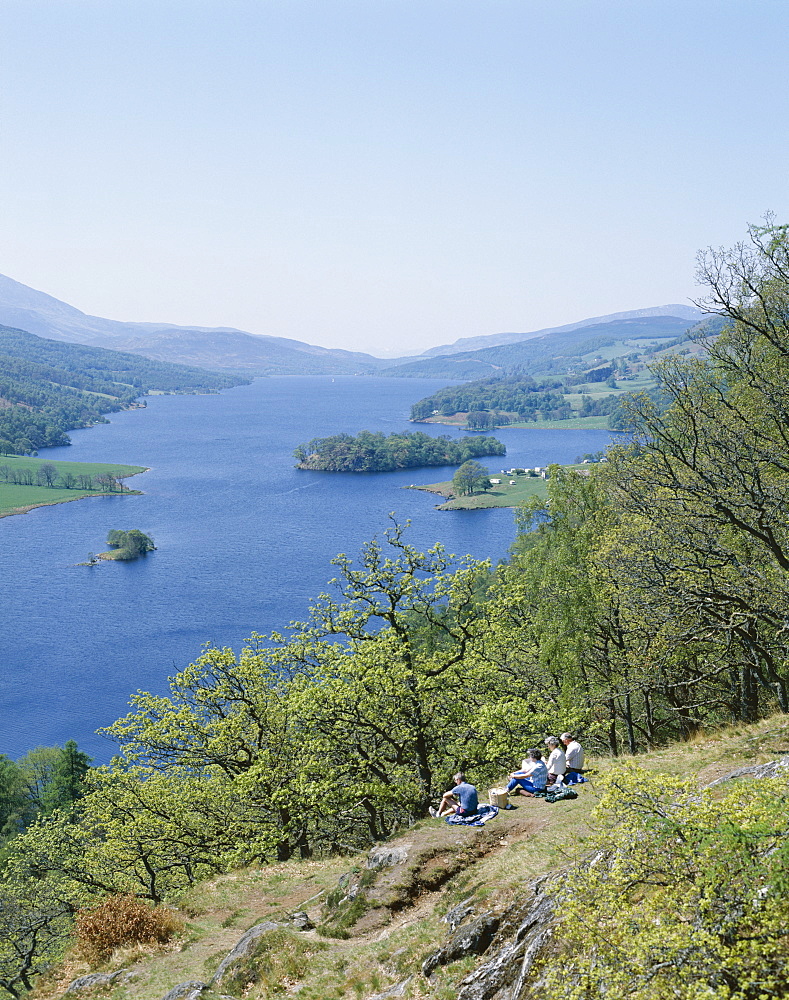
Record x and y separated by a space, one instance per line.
130 544
369 452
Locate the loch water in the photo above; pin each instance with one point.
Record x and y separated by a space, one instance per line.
244 541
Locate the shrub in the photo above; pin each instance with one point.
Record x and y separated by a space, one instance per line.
123 920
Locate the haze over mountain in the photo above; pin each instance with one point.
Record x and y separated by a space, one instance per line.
222 348
555 353
229 349
465 344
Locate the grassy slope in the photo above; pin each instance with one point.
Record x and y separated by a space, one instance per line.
385 946
18 499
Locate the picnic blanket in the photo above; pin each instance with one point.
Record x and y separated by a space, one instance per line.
479 818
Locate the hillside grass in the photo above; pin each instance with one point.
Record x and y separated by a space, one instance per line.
513 850
19 499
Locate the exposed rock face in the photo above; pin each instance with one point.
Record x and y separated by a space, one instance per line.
772 769
513 939
301 921
398 990
195 990
458 914
473 939
386 857
245 948
94 979
187 991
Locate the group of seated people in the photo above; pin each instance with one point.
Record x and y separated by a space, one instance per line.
564 766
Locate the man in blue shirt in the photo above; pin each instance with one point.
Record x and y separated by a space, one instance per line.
462 799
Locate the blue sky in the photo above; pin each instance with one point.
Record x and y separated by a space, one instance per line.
384 175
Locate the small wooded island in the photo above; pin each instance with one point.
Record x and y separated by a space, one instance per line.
125 545
375 452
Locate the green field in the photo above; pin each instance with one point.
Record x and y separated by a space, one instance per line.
16 499
502 495
572 424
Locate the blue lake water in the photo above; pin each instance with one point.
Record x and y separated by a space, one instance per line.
243 539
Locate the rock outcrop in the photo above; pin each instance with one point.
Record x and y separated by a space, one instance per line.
233 966
93 980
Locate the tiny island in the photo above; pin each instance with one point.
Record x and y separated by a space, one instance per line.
124 546
369 452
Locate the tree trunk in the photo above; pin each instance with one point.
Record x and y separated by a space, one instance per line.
631 735
612 739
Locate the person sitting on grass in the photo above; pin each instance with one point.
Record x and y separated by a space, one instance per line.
575 759
462 799
556 763
532 777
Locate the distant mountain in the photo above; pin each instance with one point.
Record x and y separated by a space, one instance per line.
231 350
551 354
223 348
466 344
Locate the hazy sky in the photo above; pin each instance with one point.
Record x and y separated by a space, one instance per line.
384 175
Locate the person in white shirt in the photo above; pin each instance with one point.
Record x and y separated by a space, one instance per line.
574 756
533 777
556 763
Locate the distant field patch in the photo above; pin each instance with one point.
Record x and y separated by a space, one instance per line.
18 497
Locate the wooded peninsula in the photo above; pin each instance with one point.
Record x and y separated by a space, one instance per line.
368 452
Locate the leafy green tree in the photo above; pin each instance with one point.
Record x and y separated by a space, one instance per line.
469 478
480 420
129 544
37 767
47 474
66 784
14 802
34 928
686 897
24 446
705 484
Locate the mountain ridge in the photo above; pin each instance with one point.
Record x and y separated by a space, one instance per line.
230 349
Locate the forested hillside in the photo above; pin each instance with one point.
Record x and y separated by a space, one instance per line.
642 604
589 386
48 387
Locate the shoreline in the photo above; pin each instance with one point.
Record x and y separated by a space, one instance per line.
53 503
598 423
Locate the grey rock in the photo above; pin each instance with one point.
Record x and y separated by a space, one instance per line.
772 769
301 921
387 857
515 957
94 979
242 950
458 914
398 990
473 939
192 990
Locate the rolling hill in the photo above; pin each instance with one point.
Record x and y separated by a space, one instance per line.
554 353
222 348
